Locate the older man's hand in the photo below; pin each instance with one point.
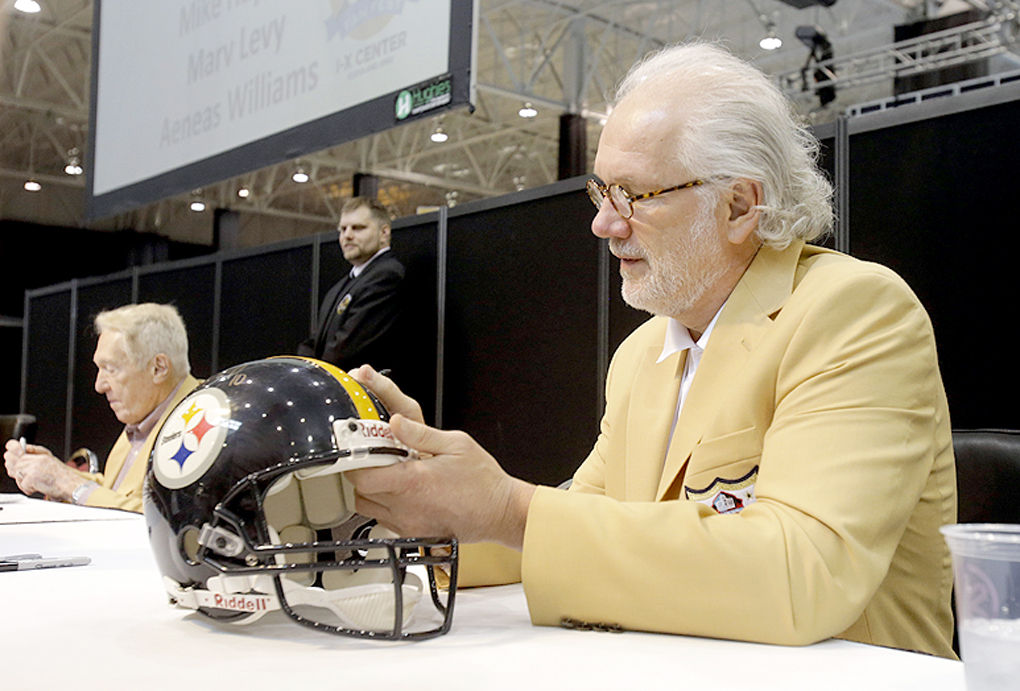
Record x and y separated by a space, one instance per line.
456 490
35 469
395 400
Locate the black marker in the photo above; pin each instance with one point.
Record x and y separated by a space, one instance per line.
33 564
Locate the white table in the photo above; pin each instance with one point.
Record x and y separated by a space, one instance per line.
107 625
17 508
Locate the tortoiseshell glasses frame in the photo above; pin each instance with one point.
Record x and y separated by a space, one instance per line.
622 200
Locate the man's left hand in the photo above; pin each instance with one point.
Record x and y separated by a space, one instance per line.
35 469
456 490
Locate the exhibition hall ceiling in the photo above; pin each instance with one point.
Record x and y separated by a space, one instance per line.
558 55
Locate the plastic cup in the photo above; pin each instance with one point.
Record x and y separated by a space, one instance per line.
986 573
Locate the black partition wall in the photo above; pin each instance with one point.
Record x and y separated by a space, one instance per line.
263 303
190 287
513 307
247 304
939 212
92 296
521 332
50 324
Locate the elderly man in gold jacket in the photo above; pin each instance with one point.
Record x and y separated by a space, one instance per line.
775 458
142 366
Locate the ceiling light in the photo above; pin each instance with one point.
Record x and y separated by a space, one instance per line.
299 176
770 41
73 166
243 192
439 135
27 6
527 111
32 185
197 205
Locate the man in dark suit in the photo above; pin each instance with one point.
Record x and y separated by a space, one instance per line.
358 318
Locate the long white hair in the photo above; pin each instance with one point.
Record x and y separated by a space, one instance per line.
737 124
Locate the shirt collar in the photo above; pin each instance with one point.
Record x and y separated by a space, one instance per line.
678 338
356 271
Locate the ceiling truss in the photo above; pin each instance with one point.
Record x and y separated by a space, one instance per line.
562 56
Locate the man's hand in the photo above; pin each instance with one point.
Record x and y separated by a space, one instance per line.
35 469
456 490
395 400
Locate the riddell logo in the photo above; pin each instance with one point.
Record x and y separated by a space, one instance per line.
375 430
242 603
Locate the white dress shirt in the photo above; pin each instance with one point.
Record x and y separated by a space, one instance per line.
678 339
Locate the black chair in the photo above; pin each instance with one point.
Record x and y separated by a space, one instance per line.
987 475
14 427
987 480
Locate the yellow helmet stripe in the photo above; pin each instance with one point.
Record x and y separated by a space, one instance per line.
367 410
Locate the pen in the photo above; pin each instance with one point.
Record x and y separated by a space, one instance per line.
51 563
24 446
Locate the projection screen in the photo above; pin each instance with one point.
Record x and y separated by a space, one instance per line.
190 92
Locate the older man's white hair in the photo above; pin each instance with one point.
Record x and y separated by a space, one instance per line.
149 329
737 124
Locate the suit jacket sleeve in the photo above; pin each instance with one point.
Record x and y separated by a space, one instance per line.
833 399
127 497
307 346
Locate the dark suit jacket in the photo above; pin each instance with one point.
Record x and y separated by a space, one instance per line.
359 318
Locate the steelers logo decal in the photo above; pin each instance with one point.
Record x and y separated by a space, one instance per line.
191 439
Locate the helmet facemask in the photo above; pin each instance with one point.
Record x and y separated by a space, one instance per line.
308 554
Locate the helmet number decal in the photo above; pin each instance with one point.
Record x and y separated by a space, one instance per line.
191 438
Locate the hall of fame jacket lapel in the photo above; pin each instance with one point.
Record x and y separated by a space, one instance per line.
745 319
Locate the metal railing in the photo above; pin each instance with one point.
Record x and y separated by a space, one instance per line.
987 38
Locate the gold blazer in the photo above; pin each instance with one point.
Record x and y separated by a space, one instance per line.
804 485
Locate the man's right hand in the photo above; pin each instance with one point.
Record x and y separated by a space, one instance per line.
35 469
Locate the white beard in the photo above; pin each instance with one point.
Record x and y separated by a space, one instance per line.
679 274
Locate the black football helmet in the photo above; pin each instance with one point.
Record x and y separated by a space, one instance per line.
248 510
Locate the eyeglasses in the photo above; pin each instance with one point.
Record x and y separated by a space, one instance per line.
622 200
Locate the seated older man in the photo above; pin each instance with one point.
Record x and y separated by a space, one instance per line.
142 358
775 458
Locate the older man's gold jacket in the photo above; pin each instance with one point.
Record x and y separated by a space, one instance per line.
802 491
128 496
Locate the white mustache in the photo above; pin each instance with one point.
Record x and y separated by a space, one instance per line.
622 250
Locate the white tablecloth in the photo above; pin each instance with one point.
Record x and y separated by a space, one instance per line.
108 625
17 508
